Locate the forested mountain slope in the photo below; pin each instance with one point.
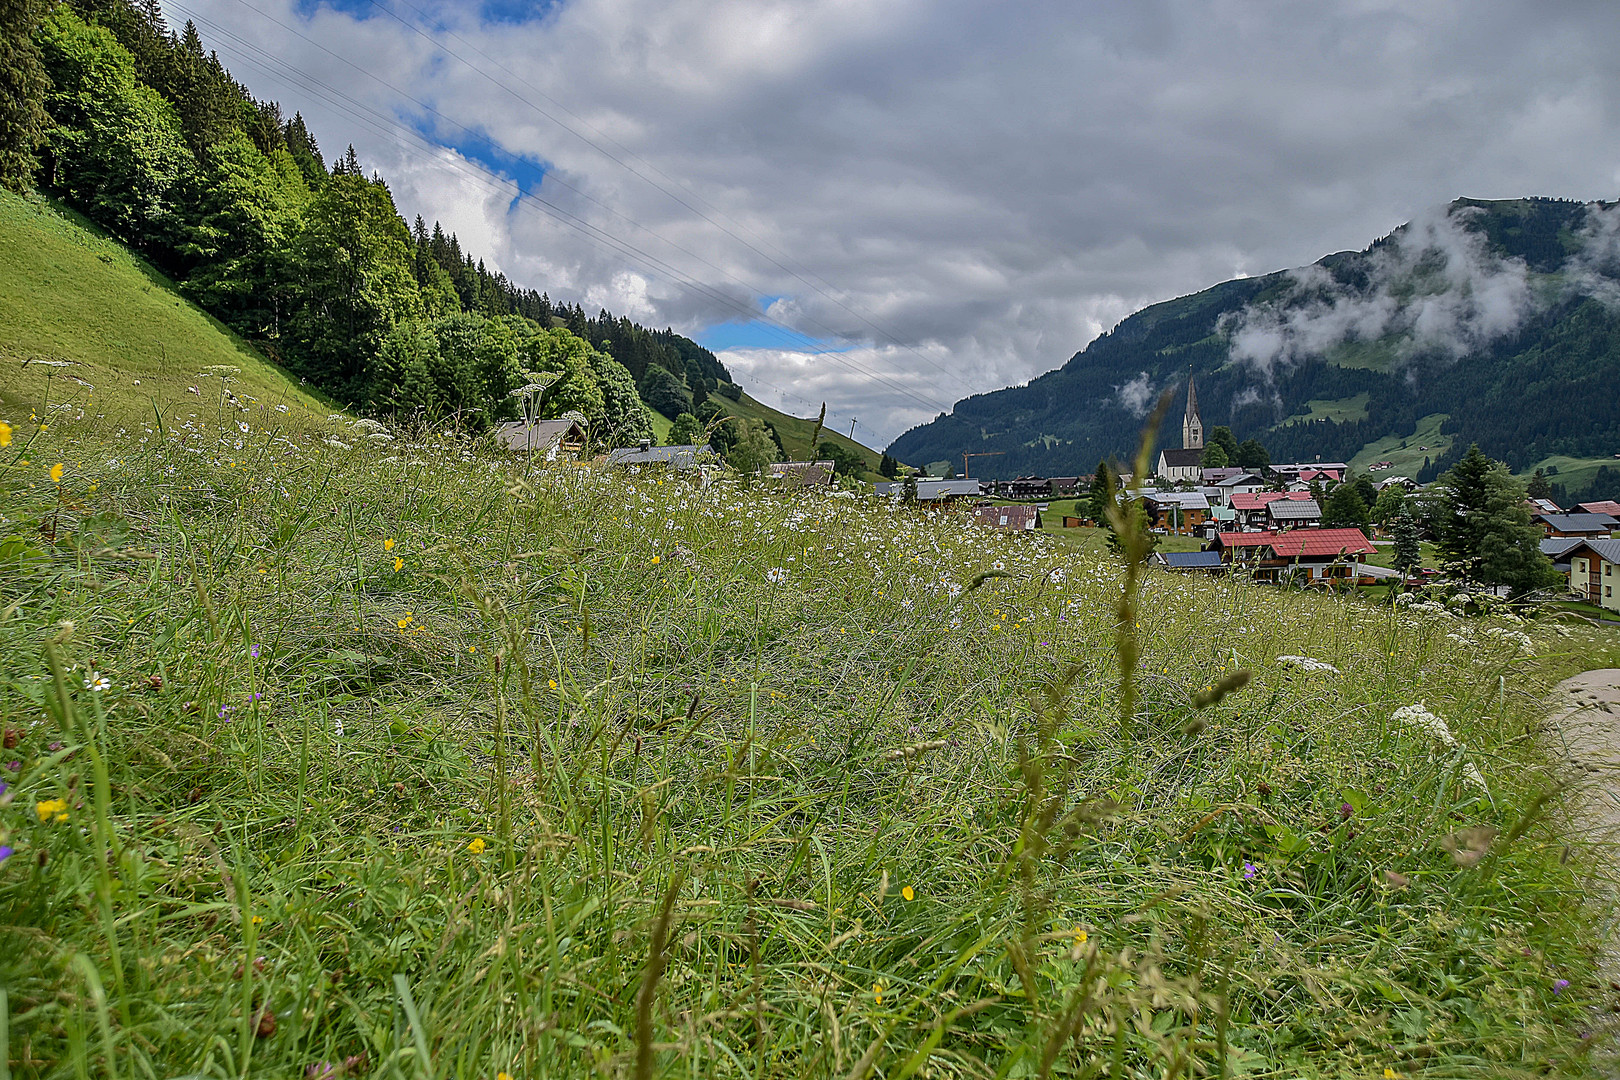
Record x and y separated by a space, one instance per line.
1488 322
145 133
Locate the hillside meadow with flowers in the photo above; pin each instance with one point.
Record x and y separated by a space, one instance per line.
330 752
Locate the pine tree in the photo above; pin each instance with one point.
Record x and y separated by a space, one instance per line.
1485 533
1103 487
1538 486
1408 548
23 84
888 467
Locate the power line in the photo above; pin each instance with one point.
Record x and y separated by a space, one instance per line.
389 125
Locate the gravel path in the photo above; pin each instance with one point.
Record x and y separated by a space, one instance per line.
1586 727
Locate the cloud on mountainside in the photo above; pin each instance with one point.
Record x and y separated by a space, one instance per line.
981 187
1435 287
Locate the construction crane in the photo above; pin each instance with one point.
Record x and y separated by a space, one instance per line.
985 453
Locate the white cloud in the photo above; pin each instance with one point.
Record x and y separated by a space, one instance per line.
991 185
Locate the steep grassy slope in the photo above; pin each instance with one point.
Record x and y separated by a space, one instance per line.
1500 315
796 432
85 323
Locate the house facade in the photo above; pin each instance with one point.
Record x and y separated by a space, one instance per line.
1183 513
1008 518
1316 554
1593 573
1584 526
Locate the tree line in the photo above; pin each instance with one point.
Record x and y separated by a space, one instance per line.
146 133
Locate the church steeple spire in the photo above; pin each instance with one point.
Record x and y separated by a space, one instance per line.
1192 425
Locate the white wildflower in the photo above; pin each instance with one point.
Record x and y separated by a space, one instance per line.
1419 717
1306 663
776 575
340 444
96 682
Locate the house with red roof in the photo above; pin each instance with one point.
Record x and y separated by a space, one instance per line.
1250 507
1319 554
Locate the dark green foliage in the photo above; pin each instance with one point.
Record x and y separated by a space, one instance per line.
354 282
846 462
1484 531
625 420
1389 505
1538 486
747 445
664 392
1222 436
1344 509
1103 488
23 84
1252 455
1408 546
888 467
685 431
115 149
152 138
1215 456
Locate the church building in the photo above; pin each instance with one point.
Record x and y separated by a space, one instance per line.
1185 464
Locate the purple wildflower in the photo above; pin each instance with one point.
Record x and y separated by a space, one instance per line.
6 852
1559 985
53 747
253 651
1249 870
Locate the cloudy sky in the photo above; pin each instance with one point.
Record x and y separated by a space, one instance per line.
889 206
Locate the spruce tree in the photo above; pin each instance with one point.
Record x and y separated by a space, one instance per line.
1408 547
888 467
1103 486
1484 531
23 84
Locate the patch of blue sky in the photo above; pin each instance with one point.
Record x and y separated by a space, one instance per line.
758 334
478 147
508 12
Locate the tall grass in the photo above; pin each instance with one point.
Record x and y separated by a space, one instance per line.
623 775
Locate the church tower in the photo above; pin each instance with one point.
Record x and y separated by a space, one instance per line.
1192 426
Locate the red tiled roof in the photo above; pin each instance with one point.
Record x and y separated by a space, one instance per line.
1607 506
1244 539
1317 542
1257 500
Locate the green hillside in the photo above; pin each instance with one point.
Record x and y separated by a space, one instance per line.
84 322
795 431
1496 317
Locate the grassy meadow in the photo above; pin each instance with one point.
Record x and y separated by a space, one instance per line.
333 754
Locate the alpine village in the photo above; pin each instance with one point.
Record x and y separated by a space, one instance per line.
499 578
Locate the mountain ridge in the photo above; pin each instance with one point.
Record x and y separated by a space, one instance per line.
1496 313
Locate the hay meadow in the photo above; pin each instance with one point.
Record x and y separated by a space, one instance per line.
334 751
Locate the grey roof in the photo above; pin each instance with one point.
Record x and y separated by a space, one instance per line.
1241 480
677 457
1607 550
1555 546
1293 509
1187 500
933 490
1382 573
1182 459
1579 523
1192 560
540 435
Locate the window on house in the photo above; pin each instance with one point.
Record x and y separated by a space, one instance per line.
1608 590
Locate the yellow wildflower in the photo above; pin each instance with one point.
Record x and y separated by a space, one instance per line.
1080 936
1391 1074
52 808
56 472
399 564
477 845
5 434
472 648
552 683
503 1076
388 544
877 993
907 893
656 559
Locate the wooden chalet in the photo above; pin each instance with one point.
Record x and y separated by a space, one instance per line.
1318 554
1584 526
1008 518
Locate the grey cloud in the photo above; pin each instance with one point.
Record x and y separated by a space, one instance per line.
991 184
